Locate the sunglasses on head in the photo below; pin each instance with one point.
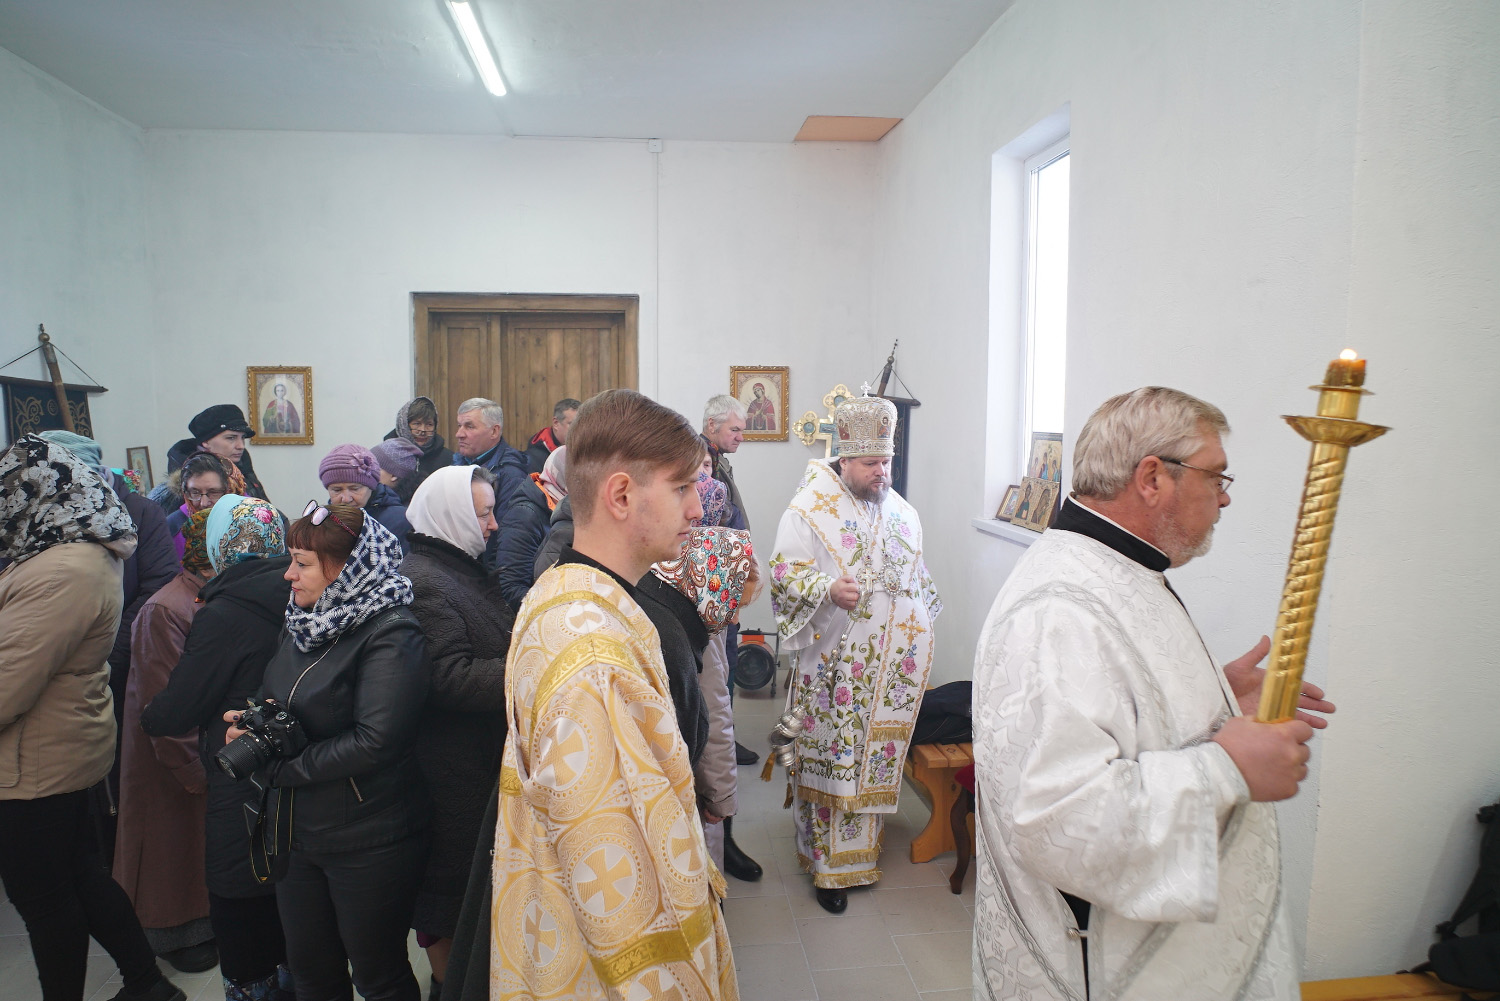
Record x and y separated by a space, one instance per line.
320 514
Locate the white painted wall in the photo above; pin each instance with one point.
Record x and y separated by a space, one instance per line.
1229 237
1411 618
303 248
73 249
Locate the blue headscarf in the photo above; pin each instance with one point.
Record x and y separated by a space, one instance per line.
242 528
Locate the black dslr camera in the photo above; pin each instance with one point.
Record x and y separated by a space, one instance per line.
271 733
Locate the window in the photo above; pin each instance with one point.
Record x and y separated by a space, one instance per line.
1046 290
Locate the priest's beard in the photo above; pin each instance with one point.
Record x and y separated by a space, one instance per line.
870 494
1180 547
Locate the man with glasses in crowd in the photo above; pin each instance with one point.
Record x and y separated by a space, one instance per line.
1126 839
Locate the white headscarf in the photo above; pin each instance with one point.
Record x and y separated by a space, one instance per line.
554 478
443 507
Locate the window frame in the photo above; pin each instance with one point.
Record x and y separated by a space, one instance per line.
1032 167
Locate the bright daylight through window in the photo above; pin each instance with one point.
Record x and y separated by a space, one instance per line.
1046 289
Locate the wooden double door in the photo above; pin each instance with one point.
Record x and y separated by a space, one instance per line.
524 352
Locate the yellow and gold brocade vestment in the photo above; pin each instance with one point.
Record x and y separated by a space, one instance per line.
603 886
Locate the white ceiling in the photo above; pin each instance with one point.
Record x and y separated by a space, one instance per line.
678 69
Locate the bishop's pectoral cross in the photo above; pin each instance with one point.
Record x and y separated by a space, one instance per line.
868 577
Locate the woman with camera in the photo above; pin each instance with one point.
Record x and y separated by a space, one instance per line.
234 634
343 822
468 624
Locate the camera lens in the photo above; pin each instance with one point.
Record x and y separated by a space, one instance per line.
241 756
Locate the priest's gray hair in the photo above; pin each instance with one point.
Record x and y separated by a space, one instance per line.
1153 420
488 409
720 408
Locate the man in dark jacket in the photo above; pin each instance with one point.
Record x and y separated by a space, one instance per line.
222 430
480 439
548 439
524 518
416 422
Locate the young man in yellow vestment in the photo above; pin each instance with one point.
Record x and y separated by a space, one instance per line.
602 885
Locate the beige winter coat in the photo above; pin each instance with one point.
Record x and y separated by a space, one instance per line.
715 774
59 612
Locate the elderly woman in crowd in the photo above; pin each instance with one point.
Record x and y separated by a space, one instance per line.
201 480
343 820
468 624
159 845
65 533
351 475
223 661
554 483
416 422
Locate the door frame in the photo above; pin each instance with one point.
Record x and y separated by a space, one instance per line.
424 304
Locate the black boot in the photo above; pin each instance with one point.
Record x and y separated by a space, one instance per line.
737 863
832 901
743 755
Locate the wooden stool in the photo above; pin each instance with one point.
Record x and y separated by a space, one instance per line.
963 807
931 768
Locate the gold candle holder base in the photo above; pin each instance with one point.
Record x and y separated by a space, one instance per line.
1332 432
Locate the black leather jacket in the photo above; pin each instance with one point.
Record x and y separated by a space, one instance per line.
359 699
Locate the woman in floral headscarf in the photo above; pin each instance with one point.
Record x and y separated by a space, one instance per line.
716 576
65 532
223 660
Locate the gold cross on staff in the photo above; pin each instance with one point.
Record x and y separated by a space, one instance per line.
868 578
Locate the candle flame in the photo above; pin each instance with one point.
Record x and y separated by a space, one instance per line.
1348 354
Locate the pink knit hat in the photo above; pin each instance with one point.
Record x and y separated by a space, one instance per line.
350 464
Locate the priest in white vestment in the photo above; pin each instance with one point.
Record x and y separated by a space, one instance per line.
854 602
1126 839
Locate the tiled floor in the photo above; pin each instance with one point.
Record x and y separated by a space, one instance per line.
905 939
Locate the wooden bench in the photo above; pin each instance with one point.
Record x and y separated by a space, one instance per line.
930 768
1396 987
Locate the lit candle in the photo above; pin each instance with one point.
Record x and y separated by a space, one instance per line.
1348 369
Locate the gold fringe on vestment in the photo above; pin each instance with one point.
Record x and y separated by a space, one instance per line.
852 804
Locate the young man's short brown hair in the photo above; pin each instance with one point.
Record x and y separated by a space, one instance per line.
622 430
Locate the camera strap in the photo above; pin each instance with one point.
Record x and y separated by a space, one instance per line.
270 824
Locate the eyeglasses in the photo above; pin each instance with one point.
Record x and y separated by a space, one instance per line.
203 495
1225 481
321 514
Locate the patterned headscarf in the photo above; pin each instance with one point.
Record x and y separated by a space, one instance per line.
713 572
554 481
49 496
195 544
715 498
242 528
370 583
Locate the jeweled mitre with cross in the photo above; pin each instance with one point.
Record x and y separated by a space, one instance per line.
866 426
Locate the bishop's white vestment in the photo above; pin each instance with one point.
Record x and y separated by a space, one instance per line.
1094 702
849 758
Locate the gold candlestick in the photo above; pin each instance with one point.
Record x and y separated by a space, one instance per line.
1332 432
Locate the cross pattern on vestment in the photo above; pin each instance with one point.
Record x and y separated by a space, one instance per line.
684 847
651 987
566 758
826 503
538 937
912 628
868 577
606 878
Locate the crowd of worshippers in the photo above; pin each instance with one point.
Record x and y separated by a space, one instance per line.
485 695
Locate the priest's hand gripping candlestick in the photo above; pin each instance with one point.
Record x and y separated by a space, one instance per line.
1332 432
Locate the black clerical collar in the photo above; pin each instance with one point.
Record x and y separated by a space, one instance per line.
1074 517
571 555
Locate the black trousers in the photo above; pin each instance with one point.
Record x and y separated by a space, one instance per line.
53 873
248 931
352 909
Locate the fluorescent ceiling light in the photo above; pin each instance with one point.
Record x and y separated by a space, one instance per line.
478 46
